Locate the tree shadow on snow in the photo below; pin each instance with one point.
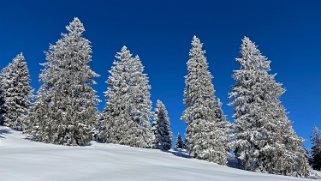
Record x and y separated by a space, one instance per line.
179 152
29 138
4 131
234 163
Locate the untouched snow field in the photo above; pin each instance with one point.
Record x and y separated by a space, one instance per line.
24 160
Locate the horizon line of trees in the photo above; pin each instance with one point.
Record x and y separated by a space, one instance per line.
64 109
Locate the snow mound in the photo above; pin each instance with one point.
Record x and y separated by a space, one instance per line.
21 159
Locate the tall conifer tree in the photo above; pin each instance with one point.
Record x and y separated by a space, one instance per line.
316 149
265 140
204 134
3 83
16 93
128 105
65 108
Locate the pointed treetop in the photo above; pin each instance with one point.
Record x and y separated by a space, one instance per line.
75 27
197 49
124 54
247 43
316 128
179 141
159 103
249 47
251 57
195 39
196 42
246 39
316 131
124 48
137 57
20 54
18 58
219 102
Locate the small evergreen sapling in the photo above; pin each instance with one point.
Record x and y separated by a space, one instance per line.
161 127
316 149
179 142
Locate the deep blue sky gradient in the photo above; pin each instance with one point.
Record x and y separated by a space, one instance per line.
288 32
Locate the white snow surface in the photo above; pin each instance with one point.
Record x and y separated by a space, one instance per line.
25 160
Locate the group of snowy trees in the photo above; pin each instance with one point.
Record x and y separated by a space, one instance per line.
263 137
64 109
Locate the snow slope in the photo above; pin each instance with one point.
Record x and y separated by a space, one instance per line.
24 160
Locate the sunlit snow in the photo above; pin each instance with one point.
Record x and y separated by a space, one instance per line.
24 160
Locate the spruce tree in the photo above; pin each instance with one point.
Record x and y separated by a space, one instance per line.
290 158
265 140
204 135
2 93
15 93
219 112
161 127
223 124
128 105
65 108
5 85
1 103
179 141
316 149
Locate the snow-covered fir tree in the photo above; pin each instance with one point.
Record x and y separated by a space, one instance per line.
4 85
286 155
179 142
98 125
204 135
223 123
128 105
295 157
161 127
65 109
265 140
316 149
219 111
16 93
1 105
2 93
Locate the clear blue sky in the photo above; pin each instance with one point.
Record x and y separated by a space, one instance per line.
288 32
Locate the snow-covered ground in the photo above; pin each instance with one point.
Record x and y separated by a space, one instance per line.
24 160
